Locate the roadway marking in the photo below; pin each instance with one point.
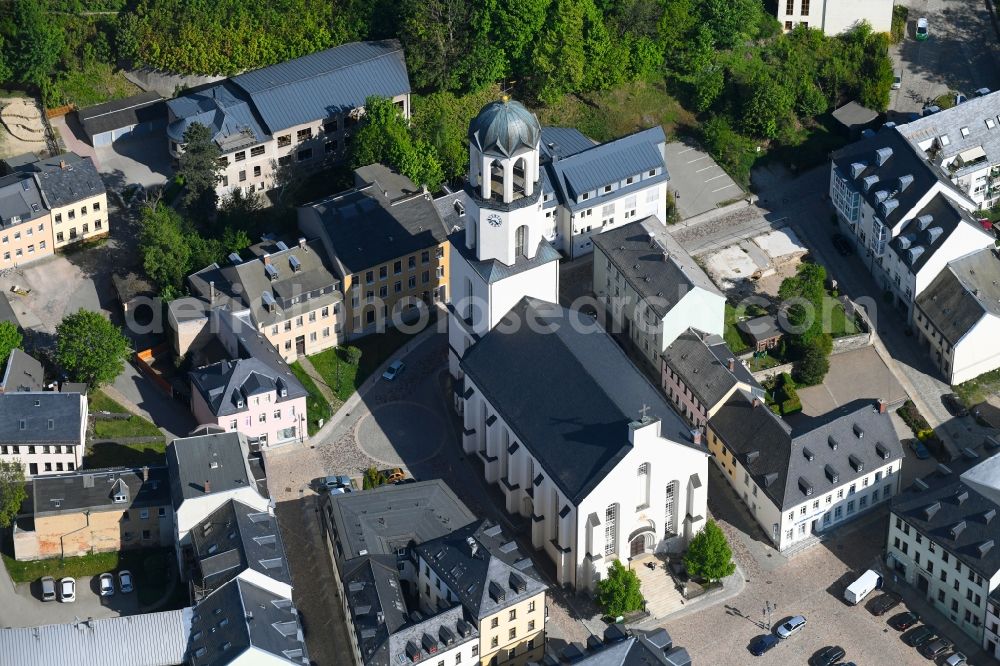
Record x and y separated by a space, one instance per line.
716 177
686 150
698 159
704 169
725 187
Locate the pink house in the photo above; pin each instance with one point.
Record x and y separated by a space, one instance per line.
248 396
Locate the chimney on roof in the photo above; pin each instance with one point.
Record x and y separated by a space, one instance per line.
208 486
666 256
211 291
62 164
424 191
652 238
756 402
881 406
266 258
302 244
145 473
473 546
731 364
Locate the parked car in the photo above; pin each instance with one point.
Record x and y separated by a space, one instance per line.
954 405
960 99
957 659
904 621
48 588
793 626
67 590
125 581
929 110
329 483
842 245
923 31
981 93
107 583
919 450
828 656
884 604
897 79
393 370
921 635
935 648
762 644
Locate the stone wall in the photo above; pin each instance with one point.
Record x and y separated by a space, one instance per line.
166 83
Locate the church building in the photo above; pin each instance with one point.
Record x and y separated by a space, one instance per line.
579 441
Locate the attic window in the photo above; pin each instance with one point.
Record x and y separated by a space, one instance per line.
944 139
832 442
22 424
855 462
121 497
859 431
965 132
990 123
52 424
807 453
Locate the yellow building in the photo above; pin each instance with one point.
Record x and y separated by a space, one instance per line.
387 243
74 193
25 222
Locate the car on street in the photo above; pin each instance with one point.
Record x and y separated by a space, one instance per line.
897 79
792 626
904 621
107 583
981 93
393 370
923 29
960 99
930 110
329 483
921 635
125 581
828 656
67 590
919 450
842 245
762 644
954 405
884 604
48 588
935 648
957 659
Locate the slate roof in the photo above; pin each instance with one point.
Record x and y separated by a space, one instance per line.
956 517
378 609
637 651
929 230
785 464
224 109
486 581
47 418
702 363
145 107
23 373
504 128
146 639
20 197
972 115
963 293
761 328
654 264
608 163
220 459
453 209
326 83
580 432
65 179
446 630
363 228
224 385
560 142
240 615
901 160
236 537
493 270
384 519
95 490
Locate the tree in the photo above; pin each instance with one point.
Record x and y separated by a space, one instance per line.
731 20
12 490
10 339
199 168
558 61
708 555
813 366
5 70
353 355
35 44
166 254
437 36
768 105
90 348
372 479
385 138
619 592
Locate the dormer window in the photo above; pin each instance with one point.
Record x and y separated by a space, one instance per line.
120 492
944 140
965 132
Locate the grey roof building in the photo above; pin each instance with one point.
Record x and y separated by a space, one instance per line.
146 639
962 294
20 200
100 490
921 237
589 415
65 179
240 623
227 386
104 123
42 417
23 373
208 464
653 649
224 109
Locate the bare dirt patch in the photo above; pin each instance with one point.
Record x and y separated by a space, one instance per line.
22 129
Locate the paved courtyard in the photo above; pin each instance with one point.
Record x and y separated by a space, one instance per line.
859 374
699 184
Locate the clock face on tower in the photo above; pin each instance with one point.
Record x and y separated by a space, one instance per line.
494 220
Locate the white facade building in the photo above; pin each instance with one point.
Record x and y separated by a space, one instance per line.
45 431
835 16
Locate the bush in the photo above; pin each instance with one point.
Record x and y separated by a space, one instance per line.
619 592
709 555
786 398
372 479
900 14
811 369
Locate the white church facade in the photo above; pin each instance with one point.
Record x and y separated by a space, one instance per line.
581 444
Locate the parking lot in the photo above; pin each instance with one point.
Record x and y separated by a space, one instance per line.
960 53
697 181
21 605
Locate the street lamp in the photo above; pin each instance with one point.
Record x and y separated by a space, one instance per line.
768 607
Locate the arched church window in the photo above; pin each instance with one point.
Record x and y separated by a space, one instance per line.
520 240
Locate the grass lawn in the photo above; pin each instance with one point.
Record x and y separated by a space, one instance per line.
976 390
731 334
112 454
376 349
840 323
135 426
100 402
764 362
316 405
339 374
97 82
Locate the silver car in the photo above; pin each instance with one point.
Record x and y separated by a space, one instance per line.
897 80
107 584
48 588
793 626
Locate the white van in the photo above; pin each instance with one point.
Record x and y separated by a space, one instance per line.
862 587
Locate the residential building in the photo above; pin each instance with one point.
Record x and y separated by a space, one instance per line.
906 218
835 16
146 639
43 430
700 373
799 484
763 331
25 221
957 317
991 633
588 188
387 244
942 540
652 289
207 471
471 597
23 373
129 117
962 143
74 194
288 294
622 648
95 511
297 114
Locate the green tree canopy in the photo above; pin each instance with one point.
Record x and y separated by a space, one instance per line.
559 59
12 491
385 138
35 42
708 555
813 365
619 592
199 169
90 348
10 339
166 254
